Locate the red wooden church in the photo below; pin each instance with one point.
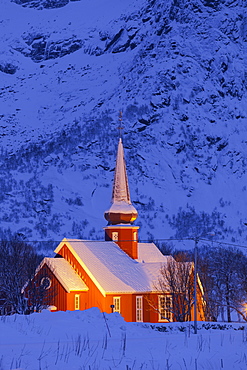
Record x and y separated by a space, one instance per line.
118 274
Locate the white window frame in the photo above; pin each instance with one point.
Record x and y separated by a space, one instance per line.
77 301
139 308
117 304
165 303
114 236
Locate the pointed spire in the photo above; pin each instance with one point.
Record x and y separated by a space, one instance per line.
121 210
120 191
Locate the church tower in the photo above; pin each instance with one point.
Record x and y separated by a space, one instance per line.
122 213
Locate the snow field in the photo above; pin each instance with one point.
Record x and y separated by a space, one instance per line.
91 340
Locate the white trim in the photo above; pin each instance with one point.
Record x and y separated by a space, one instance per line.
77 301
164 314
117 304
139 308
135 236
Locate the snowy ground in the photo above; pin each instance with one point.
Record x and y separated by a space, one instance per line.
92 340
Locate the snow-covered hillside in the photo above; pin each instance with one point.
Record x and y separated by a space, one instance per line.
176 69
84 340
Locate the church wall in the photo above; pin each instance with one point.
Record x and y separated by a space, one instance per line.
60 300
56 294
126 306
150 302
71 300
93 297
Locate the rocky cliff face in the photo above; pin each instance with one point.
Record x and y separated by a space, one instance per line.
178 71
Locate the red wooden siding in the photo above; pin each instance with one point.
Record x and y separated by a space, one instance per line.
63 300
56 294
93 297
126 240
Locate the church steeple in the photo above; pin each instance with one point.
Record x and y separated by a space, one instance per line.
121 210
122 213
120 190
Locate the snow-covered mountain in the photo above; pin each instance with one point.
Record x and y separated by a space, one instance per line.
176 69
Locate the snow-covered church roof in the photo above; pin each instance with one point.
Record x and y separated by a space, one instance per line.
148 252
112 270
65 274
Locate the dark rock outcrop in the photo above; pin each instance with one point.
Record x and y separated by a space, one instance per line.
41 47
8 68
43 4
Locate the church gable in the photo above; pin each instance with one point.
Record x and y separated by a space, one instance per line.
65 274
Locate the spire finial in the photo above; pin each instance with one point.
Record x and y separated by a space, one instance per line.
120 127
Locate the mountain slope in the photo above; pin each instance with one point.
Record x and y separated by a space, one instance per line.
176 69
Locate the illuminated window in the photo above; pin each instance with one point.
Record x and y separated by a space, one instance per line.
135 236
116 302
114 235
77 301
165 308
139 316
